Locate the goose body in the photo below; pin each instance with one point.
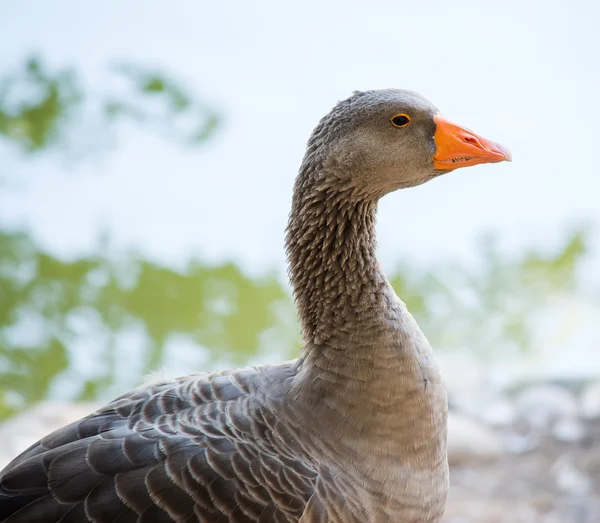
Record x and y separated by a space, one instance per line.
354 430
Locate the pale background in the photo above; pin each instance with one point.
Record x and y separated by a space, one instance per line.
522 73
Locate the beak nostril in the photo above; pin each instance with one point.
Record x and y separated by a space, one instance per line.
470 139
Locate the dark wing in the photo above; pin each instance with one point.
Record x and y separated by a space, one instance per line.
201 448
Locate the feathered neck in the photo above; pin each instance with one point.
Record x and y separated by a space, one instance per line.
338 283
364 359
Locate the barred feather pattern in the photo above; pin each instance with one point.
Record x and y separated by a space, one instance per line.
203 448
241 446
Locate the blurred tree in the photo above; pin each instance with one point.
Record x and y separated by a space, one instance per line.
35 105
495 307
53 311
42 297
50 308
41 109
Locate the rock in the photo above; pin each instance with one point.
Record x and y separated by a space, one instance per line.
499 413
521 443
541 405
590 401
569 478
569 430
470 441
22 431
468 510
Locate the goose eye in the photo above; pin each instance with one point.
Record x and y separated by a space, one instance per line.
401 120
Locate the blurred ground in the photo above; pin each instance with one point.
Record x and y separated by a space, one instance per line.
557 482
527 452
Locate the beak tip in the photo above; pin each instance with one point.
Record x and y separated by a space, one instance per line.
458 147
507 154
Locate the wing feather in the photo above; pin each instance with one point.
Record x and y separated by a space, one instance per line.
202 448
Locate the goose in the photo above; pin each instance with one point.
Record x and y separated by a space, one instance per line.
354 430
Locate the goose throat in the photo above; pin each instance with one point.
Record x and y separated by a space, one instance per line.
338 284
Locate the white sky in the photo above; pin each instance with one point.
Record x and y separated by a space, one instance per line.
523 73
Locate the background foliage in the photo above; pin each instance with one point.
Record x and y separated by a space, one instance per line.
58 315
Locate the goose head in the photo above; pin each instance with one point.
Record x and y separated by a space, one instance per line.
376 142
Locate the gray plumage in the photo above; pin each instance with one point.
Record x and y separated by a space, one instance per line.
352 431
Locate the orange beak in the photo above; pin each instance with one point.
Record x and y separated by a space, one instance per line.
459 147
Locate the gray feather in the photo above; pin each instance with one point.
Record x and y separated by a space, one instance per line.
353 431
